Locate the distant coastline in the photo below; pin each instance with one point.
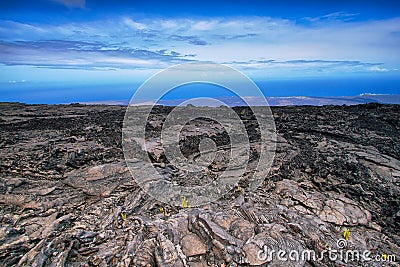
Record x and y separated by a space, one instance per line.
273 101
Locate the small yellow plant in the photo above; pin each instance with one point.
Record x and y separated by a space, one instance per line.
185 203
165 211
123 216
346 234
323 245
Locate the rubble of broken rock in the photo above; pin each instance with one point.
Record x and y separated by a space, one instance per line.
68 199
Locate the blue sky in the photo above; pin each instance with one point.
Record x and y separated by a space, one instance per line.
76 50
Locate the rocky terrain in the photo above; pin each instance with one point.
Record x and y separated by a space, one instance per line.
68 199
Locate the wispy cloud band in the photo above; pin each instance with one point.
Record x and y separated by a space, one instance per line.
332 43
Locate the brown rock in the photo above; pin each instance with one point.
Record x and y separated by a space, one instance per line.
242 229
192 245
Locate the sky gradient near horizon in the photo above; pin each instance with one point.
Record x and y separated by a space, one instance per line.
77 50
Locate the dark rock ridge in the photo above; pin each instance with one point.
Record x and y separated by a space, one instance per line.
68 199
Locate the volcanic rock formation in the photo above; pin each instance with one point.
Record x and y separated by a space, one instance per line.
68 199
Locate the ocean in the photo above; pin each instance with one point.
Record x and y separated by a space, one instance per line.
72 92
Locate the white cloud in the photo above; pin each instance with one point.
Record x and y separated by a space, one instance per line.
204 25
335 16
72 3
168 24
14 81
378 69
135 25
244 42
